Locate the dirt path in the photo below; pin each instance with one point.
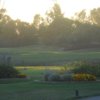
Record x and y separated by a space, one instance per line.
92 98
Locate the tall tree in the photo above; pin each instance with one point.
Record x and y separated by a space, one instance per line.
95 16
54 13
37 20
59 28
82 16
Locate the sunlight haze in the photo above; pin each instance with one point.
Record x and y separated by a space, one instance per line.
26 9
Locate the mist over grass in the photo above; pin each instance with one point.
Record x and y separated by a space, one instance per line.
49 56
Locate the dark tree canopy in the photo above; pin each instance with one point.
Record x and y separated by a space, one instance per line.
54 30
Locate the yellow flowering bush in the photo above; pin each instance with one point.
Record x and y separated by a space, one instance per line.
84 77
21 76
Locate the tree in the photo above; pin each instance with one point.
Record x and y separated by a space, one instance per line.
58 30
82 16
2 12
95 16
37 20
54 13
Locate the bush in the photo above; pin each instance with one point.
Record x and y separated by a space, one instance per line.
54 77
67 77
84 67
57 77
46 77
21 76
8 71
84 77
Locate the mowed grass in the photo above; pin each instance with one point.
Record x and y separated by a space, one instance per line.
33 56
38 72
47 91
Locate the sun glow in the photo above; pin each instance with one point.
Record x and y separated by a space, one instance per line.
26 9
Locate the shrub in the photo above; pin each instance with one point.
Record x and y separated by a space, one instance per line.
21 76
57 77
67 77
84 77
84 67
54 77
46 77
47 74
7 71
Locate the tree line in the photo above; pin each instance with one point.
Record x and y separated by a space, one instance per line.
82 31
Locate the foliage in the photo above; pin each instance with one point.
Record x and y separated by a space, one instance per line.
7 71
95 16
84 77
46 76
66 77
53 30
84 67
70 77
21 76
54 77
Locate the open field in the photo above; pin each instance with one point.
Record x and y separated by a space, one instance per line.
33 56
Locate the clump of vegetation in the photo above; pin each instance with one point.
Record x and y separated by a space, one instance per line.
66 77
21 76
46 77
7 71
84 67
71 77
54 77
77 71
84 77
58 76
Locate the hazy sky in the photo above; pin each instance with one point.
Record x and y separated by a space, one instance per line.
26 9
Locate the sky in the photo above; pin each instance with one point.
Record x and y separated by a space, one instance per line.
26 9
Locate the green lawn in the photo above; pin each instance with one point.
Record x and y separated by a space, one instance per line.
37 72
31 56
30 90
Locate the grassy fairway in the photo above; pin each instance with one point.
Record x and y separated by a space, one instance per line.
31 56
37 72
47 91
